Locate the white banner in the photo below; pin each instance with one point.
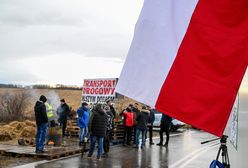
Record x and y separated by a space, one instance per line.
98 90
234 123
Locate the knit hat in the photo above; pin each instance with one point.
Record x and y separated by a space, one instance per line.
43 98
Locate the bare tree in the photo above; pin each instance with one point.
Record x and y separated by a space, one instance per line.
13 105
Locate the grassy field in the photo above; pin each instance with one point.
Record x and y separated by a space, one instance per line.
72 97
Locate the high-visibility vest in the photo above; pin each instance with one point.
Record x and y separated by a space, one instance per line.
49 110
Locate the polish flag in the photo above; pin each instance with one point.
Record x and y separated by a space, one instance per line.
188 58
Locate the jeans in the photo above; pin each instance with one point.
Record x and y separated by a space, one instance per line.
92 146
83 133
143 137
41 136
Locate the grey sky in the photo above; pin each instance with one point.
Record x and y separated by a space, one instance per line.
64 41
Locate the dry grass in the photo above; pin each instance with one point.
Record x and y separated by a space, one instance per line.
72 97
16 130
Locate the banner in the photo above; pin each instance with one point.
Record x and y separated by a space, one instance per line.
234 123
98 90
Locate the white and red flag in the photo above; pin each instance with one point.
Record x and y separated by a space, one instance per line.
188 58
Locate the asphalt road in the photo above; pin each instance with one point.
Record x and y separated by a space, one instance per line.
184 151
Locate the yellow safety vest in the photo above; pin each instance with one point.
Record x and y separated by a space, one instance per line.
49 110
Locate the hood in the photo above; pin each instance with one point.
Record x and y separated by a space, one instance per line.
38 104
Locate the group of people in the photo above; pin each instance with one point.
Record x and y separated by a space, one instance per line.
96 123
46 117
138 122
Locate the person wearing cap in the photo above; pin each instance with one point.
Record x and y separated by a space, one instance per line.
112 109
83 120
41 123
63 111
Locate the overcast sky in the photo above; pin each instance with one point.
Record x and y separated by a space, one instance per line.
64 41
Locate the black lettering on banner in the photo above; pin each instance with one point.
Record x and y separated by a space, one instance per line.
89 99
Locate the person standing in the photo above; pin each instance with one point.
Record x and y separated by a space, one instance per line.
83 120
97 128
112 109
136 111
128 125
142 120
150 124
165 127
41 124
50 115
107 138
63 112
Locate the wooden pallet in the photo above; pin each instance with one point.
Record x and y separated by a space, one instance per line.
26 151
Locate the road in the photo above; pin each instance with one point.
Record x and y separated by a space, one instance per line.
184 151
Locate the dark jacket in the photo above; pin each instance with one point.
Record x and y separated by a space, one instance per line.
110 118
98 122
64 111
142 120
40 113
166 120
136 112
152 117
112 110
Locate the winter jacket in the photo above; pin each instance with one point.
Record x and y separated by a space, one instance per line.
112 110
83 117
98 122
142 120
40 113
110 118
136 112
152 116
63 112
165 120
129 118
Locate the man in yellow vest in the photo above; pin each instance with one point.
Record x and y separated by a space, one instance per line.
50 115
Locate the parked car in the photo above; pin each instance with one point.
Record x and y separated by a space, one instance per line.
175 124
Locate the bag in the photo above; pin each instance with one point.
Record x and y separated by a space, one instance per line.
215 164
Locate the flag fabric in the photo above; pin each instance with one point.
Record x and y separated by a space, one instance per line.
188 58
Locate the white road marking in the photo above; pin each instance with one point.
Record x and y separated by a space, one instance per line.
192 156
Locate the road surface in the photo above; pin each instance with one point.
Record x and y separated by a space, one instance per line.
184 151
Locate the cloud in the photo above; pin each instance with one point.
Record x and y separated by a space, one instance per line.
32 33
94 28
70 68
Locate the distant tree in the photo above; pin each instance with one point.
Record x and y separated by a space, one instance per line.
13 105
